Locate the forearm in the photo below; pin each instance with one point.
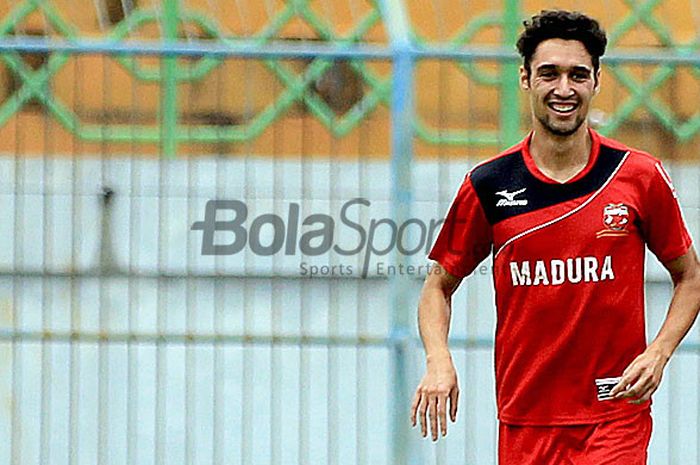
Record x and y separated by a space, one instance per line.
434 312
682 312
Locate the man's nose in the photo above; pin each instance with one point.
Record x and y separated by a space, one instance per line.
563 88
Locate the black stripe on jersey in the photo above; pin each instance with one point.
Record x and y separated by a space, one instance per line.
509 174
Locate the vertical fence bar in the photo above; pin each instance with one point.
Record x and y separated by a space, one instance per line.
218 364
133 291
105 261
169 109
218 400
362 317
17 311
190 356
75 308
402 111
162 294
510 94
45 373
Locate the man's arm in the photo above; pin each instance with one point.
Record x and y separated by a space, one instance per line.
644 374
440 380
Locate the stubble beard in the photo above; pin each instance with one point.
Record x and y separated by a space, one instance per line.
544 120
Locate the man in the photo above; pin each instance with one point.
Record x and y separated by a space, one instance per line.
566 215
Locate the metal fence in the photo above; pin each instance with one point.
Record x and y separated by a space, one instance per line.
123 344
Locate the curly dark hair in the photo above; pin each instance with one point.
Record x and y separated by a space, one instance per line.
562 24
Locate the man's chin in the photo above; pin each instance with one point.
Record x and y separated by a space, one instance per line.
562 131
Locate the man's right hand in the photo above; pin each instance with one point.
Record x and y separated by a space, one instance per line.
437 386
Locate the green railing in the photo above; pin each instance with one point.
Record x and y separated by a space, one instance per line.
460 48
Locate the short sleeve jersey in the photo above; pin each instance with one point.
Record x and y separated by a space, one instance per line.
568 271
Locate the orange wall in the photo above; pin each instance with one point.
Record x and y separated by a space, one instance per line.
100 91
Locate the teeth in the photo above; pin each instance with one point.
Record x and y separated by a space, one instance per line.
563 107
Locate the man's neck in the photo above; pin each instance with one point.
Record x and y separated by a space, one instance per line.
561 157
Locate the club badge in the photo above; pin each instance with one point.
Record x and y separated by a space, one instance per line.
615 220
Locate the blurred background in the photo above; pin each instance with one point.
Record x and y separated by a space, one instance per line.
123 342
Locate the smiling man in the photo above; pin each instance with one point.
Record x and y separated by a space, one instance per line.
566 215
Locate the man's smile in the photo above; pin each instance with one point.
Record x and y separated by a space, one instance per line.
563 108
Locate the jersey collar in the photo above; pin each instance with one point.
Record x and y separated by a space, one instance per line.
535 171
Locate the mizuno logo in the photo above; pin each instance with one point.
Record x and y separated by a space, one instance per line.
509 199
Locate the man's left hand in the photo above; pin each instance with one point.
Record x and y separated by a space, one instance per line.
642 377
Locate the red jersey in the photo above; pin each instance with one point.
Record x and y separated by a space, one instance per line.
568 270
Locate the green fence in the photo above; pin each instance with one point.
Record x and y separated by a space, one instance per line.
664 56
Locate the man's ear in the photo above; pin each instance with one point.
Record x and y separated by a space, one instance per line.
596 89
524 78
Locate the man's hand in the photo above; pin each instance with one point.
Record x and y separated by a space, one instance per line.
642 377
437 386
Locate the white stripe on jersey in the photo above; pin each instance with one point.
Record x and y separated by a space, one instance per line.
565 215
666 178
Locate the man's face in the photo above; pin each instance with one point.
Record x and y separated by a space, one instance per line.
561 85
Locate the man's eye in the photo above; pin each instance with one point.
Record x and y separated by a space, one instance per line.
580 76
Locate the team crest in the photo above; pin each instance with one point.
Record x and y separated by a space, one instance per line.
615 218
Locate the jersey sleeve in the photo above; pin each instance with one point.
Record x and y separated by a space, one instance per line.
466 237
663 226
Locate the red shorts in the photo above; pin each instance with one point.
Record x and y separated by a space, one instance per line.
618 442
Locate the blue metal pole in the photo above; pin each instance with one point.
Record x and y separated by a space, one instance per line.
402 116
250 49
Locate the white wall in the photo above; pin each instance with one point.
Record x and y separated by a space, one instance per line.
132 403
